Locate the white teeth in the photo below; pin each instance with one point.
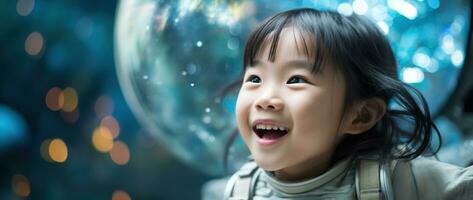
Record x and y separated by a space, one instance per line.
270 127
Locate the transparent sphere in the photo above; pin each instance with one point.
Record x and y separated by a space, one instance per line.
174 58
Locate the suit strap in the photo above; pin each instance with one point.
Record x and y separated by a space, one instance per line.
368 180
240 185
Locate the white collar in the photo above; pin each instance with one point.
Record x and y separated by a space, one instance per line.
310 184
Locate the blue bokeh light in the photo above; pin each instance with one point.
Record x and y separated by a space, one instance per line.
13 129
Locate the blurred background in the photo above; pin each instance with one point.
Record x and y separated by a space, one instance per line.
116 100
59 102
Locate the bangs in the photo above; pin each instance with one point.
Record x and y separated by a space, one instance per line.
308 38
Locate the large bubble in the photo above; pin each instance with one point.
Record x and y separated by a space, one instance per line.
175 57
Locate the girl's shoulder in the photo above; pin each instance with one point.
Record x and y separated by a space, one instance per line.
240 184
425 178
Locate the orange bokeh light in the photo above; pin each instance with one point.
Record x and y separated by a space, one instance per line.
34 43
53 99
120 153
102 139
21 185
58 151
71 99
112 124
120 195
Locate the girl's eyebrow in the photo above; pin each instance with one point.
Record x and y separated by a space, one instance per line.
296 63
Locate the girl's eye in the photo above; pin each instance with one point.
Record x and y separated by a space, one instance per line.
253 79
296 79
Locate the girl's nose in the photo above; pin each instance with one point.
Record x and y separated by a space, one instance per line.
269 103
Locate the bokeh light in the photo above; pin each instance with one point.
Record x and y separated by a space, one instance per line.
111 124
102 139
71 99
360 7
54 47
34 43
120 153
345 9
412 75
120 195
21 185
54 99
457 58
24 7
403 8
44 150
13 129
58 150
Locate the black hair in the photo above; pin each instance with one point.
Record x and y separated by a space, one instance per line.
360 51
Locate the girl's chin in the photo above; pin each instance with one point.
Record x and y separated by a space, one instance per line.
268 166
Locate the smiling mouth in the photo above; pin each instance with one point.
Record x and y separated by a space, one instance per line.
269 133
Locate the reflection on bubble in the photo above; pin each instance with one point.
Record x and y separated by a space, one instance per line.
433 66
233 44
412 75
360 7
434 4
379 12
421 60
345 9
383 26
403 8
457 58
448 44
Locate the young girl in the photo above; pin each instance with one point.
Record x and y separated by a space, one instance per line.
313 111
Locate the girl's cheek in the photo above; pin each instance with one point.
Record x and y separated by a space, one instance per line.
241 110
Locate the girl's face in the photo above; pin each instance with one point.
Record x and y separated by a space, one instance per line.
304 107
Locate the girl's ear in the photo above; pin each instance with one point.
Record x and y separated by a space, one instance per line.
364 115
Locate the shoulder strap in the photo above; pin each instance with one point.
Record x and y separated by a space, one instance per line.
404 181
367 184
240 185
